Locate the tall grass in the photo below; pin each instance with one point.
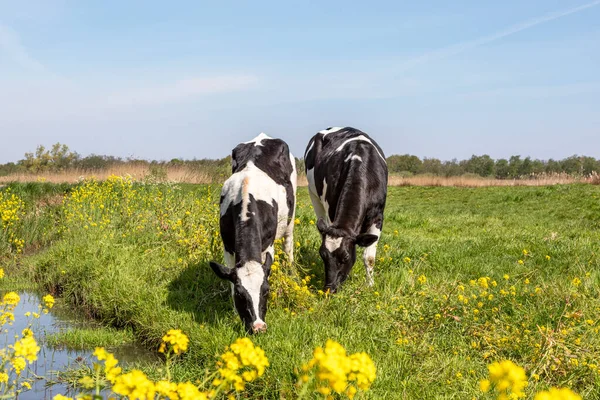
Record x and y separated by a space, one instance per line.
197 175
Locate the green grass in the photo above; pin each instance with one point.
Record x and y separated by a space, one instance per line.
425 342
90 338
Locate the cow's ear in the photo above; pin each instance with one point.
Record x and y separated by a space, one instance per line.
267 265
366 239
222 271
322 226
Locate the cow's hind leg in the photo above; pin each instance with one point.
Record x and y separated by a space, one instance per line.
318 207
288 244
370 254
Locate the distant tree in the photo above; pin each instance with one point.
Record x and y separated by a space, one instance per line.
514 165
56 159
572 165
502 169
404 163
538 167
431 166
525 168
452 168
589 165
480 165
553 167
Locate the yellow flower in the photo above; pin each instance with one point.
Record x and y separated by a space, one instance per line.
48 300
335 371
484 385
242 362
297 221
520 262
188 391
506 276
406 259
27 348
135 385
508 378
547 257
576 281
61 397
19 364
177 339
166 389
11 298
26 385
3 377
1 273
557 394
422 279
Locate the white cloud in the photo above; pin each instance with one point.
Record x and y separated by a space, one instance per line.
470 44
58 99
180 90
12 50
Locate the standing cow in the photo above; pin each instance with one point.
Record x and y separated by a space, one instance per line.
258 204
347 181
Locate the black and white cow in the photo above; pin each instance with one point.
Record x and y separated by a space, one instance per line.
258 204
347 181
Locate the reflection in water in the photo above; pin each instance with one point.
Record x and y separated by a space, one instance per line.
51 360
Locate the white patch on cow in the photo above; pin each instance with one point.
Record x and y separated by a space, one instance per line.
353 157
251 276
314 196
257 140
370 254
324 201
361 138
331 130
332 243
270 250
312 143
253 181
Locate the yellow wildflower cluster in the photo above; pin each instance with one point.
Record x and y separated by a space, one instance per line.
27 347
507 379
337 372
109 208
288 292
48 301
242 362
111 371
14 358
557 394
175 340
135 384
12 210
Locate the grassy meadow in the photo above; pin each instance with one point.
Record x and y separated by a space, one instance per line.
464 277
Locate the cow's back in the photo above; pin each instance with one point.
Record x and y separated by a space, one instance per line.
258 199
346 168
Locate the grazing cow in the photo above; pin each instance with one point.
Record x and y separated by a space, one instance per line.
347 182
258 204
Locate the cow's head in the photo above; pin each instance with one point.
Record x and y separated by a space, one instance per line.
250 292
338 251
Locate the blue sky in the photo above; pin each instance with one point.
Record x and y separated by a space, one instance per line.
160 80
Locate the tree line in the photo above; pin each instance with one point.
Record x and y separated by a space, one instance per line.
60 158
